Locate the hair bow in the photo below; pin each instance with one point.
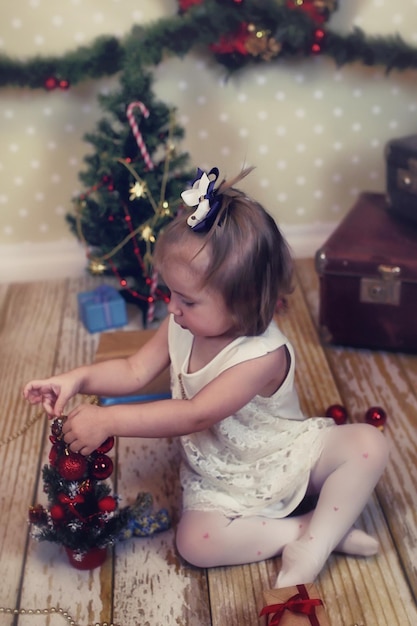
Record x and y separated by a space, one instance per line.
203 195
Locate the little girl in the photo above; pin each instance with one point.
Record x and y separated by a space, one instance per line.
249 455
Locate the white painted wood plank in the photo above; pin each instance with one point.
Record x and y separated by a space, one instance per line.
49 580
151 580
29 323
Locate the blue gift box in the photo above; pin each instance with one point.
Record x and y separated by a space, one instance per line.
101 309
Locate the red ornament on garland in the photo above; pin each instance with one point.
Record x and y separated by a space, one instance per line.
338 413
71 466
187 4
51 83
376 416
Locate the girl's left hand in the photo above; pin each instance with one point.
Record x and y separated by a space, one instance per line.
85 429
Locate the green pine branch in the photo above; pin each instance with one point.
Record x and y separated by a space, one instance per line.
200 27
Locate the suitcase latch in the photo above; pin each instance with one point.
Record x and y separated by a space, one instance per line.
407 179
383 290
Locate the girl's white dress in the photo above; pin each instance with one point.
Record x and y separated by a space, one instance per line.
257 461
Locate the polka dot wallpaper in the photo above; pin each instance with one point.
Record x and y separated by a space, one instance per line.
316 133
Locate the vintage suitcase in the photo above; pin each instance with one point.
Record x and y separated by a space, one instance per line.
401 176
368 279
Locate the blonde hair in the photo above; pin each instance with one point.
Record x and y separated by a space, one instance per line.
249 260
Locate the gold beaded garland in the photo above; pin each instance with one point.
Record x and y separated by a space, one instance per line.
31 421
50 611
22 430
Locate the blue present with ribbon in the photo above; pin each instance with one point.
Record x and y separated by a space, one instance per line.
101 309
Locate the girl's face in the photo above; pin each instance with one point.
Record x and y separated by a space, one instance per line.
201 310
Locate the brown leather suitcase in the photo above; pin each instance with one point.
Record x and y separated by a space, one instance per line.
368 279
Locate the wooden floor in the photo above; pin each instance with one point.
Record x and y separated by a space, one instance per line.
144 583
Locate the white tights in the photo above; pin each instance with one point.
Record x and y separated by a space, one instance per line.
353 459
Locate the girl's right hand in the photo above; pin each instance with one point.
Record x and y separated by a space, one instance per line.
53 393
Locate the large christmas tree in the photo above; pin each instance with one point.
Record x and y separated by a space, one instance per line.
133 181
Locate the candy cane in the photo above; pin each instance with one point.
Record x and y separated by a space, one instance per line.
136 132
152 292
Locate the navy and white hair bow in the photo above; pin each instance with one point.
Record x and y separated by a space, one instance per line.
203 196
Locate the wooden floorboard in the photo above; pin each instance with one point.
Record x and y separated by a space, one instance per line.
144 582
368 378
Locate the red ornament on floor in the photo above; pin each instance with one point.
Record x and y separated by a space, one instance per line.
376 416
338 413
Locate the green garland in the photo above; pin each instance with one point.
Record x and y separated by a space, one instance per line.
205 25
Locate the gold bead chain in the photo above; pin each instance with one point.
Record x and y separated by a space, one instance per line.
51 611
23 430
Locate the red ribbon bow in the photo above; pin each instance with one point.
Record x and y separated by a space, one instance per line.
299 603
71 502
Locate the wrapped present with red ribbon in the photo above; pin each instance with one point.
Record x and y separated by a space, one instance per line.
294 606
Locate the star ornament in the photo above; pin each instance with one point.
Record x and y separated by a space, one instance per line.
148 234
137 191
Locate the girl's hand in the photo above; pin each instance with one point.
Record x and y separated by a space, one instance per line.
86 428
53 393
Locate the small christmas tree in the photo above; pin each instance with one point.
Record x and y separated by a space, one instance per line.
133 184
83 515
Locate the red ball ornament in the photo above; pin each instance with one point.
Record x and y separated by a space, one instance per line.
57 512
376 416
316 48
338 413
101 467
64 85
107 504
106 446
51 83
72 466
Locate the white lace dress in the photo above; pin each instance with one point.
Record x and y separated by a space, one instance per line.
257 461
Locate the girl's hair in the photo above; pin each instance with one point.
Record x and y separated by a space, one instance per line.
249 260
